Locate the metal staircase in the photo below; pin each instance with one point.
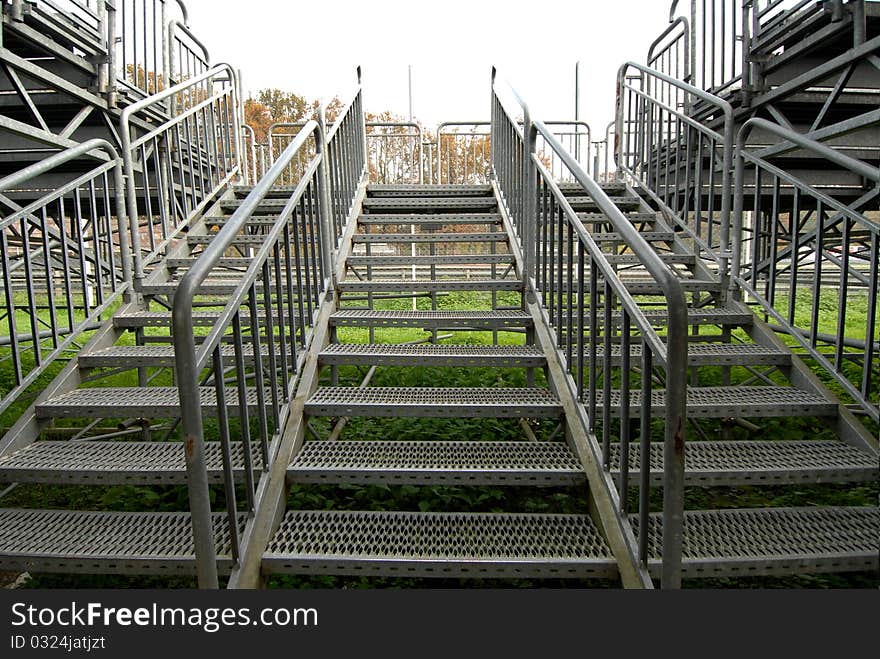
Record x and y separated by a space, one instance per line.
229 341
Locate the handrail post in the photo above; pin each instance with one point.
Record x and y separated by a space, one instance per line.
324 205
110 18
529 201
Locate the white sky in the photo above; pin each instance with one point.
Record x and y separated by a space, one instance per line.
312 48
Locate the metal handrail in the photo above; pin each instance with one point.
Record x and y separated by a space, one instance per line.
417 157
808 339
725 137
130 145
71 251
190 360
672 353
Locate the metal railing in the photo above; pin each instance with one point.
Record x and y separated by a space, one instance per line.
794 245
348 160
277 299
585 300
65 261
683 164
175 169
278 136
462 157
670 53
395 154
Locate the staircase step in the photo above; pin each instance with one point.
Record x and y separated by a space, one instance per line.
430 218
115 462
241 262
772 541
439 545
420 190
588 204
496 237
241 239
574 188
634 217
122 402
632 259
375 354
439 402
158 356
704 316
380 204
406 286
721 402
105 542
710 354
209 287
454 259
140 319
437 463
432 319
729 463
650 236
253 221
650 287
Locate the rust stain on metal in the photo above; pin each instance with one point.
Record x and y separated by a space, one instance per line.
189 445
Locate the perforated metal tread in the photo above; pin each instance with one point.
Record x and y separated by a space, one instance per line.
389 203
437 463
241 239
241 262
707 316
404 286
719 402
650 236
254 220
104 542
434 319
109 462
397 285
632 259
648 287
496 237
138 319
156 356
444 402
587 203
117 402
601 218
206 288
444 354
749 462
421 261
428 190
773 541
611 189
710 354
438 545
430 218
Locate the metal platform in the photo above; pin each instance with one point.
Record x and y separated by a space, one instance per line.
437 463
444 402
444 354
439 545
119 402
405 286
115 463
720 402
770 541
717 463
432 319
104 542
